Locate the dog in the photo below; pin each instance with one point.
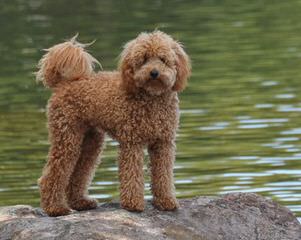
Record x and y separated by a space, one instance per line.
137 105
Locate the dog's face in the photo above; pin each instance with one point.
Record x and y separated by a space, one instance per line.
155 63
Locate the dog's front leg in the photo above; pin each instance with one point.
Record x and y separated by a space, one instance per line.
162 155
131 177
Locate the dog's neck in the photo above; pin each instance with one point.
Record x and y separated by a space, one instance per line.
141 94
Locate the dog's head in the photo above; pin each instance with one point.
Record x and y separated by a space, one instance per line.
155 63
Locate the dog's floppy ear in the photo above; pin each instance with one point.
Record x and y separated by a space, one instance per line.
126 68
183 67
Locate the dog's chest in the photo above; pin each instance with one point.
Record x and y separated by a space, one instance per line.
148 122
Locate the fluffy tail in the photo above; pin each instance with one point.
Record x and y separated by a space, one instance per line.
65 62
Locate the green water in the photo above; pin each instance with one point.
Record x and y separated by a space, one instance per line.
241 114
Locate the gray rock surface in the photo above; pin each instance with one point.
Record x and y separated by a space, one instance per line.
232 216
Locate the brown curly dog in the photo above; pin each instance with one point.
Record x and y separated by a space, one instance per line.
137 106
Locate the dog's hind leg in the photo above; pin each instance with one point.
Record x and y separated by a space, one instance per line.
77 191
66 140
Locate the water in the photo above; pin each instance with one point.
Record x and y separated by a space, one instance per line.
240 126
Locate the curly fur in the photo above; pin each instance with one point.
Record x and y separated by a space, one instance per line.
132 106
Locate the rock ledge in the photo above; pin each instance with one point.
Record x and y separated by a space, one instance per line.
229 217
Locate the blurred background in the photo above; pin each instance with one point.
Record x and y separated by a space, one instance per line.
240 115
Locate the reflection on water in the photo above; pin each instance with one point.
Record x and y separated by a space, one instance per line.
240 126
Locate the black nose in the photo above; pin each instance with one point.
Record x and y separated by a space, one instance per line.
154 73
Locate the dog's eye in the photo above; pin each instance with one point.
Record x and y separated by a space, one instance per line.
163 60
144 60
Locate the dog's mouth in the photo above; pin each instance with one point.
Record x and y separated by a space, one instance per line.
156 86
162 81
158 82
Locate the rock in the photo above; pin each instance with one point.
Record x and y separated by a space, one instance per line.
229 217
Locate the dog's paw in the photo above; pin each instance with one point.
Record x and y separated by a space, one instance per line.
84 204
133 206
166 204
57 211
